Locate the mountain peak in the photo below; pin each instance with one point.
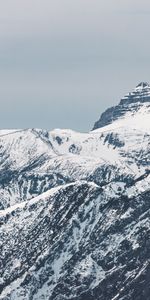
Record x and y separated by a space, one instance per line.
140 94
130 102
142 85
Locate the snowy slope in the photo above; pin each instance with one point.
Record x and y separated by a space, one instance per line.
76 240
75 208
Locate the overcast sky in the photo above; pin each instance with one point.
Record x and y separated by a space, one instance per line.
63 62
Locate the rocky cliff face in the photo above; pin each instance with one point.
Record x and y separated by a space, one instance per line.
75 209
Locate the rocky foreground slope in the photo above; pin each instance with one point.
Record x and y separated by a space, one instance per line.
75 208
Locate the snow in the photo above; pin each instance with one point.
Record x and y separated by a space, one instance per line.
87 267
8 131
16 264
13 287
76 156
22 205
130 121
90 152
59 263
45 196
127 214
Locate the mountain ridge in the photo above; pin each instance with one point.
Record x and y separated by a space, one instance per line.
75 209
131 101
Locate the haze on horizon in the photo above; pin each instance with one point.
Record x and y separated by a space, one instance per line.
62 63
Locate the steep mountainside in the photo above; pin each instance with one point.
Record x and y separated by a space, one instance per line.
75 208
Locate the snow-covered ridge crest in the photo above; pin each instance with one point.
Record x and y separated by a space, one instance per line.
35 160
75 208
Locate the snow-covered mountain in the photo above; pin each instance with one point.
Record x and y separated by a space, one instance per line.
130 102
75 208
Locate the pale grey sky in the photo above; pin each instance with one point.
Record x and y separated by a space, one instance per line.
63 62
